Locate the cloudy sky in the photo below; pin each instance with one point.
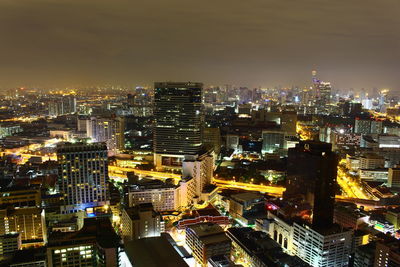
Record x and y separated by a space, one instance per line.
352 43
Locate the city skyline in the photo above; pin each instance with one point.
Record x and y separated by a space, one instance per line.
265 43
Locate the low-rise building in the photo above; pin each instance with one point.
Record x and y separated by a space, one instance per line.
378 175
243 205
371 161
350 216
9 243
207 240
256 249
394 177
96 244
140 221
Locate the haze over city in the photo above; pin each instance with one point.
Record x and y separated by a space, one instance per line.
353 44
166 133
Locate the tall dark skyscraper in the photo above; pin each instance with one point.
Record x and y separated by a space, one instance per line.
178 112
312 171
83 173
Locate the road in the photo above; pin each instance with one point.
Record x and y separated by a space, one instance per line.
272 190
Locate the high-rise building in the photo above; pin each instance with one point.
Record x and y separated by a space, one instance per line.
311 172
329 247
367 126
109 130
273 141
364 256
322 90
178 112
387 253
140 102
83 174
325 91
200 168
212 139
27 221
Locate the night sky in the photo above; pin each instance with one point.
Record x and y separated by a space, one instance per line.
352 43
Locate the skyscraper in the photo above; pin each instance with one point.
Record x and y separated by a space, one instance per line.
83 173
322 90
178 113
311 172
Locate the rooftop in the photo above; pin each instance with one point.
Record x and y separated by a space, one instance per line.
209 233
153 252
94 230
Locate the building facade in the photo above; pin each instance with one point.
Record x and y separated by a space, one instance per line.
207 240
178 113
29 222
83 175
141 221
329 249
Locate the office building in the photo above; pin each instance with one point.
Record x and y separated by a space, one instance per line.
273 141
255 248
140 102
20 196
178 112
9 130
96 244
207 240
244 206
367 126
325 91
9 243
351 108
32 257
232 141
364 256
140 221
350 216
311 173
83 174
29 222
330 247
393 216
109 130
163 196
288 122
212 139
394 177
62 106
387 253
371 161
153 251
